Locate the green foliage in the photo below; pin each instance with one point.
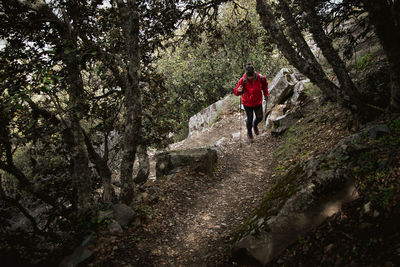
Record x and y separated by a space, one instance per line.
145 210
375 169
312 90
364 62
291 143
203 71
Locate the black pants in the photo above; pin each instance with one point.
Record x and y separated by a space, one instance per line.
249 114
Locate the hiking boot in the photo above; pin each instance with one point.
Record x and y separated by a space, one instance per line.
256 131
250 137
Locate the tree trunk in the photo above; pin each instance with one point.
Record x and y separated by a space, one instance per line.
305 63
385 17
144 165
81 180
349 94
102 169
133 106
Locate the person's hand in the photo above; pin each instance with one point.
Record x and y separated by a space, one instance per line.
240 89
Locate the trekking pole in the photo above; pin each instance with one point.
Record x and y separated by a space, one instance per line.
240 121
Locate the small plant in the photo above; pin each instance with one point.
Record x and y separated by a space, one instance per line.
364 61
312 90
146 210
101 222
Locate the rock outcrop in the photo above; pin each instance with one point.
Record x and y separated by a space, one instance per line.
200 159
302 199
123 214
204 118
286 94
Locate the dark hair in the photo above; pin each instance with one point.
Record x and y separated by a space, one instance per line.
249 69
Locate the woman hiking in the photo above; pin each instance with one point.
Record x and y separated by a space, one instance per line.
251 87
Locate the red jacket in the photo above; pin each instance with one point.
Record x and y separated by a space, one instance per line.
252 96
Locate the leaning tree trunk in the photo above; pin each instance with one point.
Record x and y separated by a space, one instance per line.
349 94
305 63
133 106
385 17
81 180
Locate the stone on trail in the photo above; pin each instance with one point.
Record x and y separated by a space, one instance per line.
236 135
200 159
123 214
80 254
378 131
114 227
220 142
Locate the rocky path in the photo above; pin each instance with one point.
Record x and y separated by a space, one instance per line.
195 220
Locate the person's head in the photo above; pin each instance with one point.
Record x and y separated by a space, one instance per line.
249 70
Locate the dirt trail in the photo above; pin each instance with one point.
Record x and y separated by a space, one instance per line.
194 223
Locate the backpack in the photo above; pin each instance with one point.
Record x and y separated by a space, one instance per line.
259 76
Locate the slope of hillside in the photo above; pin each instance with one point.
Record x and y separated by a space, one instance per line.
191 219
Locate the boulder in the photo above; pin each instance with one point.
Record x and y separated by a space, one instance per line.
281 87
276 112
377 131
284 122
123 214
200 159
80 254
204 118
114 227
302 199
298 93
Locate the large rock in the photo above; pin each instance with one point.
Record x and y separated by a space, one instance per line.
276 112
204 118
80 254
123 214
284 122
301 200
115 228
281 87
298 93
377 131
200 159
287 91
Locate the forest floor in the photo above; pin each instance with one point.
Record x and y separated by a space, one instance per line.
190 218
195 216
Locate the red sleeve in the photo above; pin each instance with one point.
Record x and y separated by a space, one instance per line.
235 90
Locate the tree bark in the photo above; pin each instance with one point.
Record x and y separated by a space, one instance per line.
349 95
133 106
81 180
385 18
144 165
305 63
102 169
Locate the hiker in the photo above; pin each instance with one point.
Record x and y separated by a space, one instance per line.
249 88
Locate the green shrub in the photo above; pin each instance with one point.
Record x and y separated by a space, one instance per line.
364 62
